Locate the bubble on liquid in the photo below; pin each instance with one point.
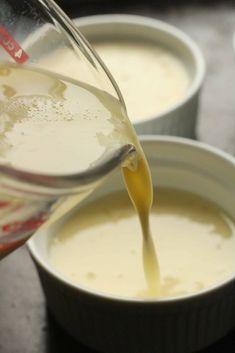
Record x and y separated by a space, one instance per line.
91 275
199 285
4 70
37 108
8 91
120 275
56 241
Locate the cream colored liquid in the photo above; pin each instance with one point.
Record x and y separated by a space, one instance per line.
50 124
151 78
99 247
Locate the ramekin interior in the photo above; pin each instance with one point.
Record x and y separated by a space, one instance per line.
121 26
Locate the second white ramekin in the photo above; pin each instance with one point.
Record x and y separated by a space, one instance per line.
180 118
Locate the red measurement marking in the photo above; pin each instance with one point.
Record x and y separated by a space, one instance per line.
18 226
5 248
12 47
4 204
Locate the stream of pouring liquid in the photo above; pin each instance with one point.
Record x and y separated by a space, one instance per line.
49 122
140 189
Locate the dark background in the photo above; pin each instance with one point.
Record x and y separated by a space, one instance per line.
25 325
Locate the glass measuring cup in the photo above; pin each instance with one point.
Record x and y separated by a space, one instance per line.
29 30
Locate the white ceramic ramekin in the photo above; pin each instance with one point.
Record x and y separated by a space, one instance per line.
180 118
178 324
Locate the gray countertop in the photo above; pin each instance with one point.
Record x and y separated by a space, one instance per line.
25 325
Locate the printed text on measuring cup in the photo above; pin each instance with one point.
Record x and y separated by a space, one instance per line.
12 47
